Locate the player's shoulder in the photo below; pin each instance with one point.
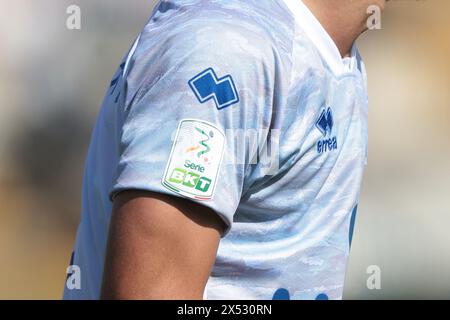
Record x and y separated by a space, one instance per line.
267 25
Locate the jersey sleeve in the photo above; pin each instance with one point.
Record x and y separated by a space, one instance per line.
190 91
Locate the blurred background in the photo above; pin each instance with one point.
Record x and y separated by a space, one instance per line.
52 81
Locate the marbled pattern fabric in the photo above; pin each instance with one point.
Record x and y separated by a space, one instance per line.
288 226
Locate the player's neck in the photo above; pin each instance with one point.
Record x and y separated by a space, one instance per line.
344 22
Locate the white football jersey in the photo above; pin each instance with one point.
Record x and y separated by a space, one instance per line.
245 107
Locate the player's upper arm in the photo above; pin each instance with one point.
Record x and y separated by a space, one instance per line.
159 247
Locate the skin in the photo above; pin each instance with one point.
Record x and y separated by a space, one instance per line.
162 247
159 247
344 20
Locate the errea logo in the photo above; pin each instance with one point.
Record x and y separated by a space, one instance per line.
325 124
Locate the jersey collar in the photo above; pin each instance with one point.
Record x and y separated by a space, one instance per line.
321 39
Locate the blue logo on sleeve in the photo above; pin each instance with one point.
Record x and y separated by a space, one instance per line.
207 86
